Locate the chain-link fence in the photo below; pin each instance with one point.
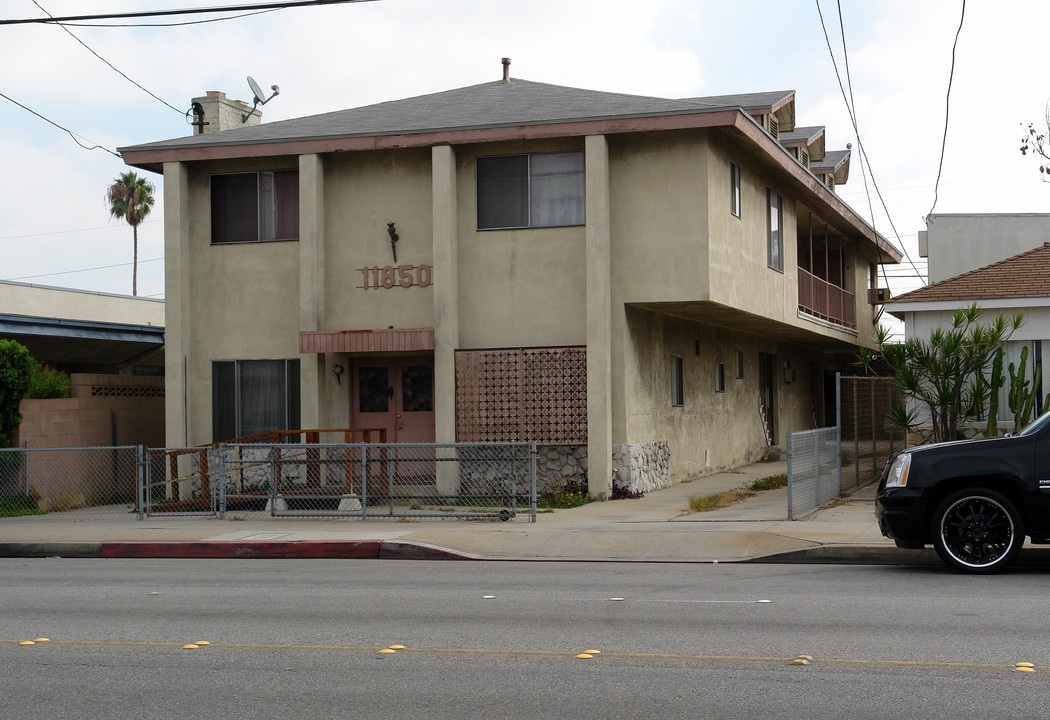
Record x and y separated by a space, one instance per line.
360 481
93 481
868 438
395 480
814 470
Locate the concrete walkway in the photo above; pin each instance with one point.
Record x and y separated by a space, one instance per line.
654 528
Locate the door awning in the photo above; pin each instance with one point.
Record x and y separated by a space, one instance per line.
362 341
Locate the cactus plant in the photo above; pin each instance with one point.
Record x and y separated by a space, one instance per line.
995 383
1022 392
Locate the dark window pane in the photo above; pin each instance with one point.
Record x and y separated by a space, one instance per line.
224 401
286 196
503 192
373 389
293 396
417 388
235 208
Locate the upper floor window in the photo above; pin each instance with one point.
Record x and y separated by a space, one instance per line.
255 207
530 191
734 189
774 231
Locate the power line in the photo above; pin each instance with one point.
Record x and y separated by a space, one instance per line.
66 130
182 11
947 108
112 67
73 272
863 151
66 232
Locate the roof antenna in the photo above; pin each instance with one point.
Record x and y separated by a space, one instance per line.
506 71
257 91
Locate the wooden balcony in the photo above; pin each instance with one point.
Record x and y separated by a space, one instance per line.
821 299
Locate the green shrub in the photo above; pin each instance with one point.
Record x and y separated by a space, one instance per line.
46 383
16 367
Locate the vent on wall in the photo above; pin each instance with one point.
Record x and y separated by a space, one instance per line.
774 126
803 157
829 180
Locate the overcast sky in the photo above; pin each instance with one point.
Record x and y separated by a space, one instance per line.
54 226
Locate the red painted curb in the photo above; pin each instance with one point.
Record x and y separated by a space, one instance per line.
304 549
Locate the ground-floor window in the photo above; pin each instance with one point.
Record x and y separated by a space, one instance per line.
253 396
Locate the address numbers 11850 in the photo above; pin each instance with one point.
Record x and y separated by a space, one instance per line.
391 276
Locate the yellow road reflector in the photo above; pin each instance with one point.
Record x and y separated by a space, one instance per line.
27 642
799 661
397 647
593 652
42 640
803 657
1024 664
387 651
191 646
1024 669
584 656
201 642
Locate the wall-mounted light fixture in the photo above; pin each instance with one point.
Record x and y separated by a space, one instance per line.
338 371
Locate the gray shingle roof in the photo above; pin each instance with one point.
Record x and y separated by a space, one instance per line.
833 160
493 104
800 135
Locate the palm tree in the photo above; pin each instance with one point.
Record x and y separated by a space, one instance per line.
131 198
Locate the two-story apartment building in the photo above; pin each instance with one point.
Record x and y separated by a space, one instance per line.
514 261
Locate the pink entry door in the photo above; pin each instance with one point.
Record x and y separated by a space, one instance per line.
396 393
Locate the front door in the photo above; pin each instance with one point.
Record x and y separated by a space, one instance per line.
397 394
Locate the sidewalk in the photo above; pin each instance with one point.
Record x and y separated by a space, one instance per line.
655 528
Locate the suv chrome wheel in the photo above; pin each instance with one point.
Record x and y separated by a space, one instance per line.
977 531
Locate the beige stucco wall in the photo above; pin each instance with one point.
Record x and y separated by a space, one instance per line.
362 193
711 430
508 288
50 302
517 288
237 301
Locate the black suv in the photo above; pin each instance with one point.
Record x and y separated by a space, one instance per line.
974 501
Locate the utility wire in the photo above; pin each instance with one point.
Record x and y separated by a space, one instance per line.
182 11
863 152
71 134
112 67
73 272
169 24
947 108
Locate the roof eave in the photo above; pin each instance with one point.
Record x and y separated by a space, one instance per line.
153 158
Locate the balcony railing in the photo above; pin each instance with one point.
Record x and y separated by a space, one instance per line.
819 298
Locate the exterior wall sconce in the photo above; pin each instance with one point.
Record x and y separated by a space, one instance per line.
789 373
338 371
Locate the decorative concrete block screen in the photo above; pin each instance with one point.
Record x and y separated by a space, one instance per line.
522 394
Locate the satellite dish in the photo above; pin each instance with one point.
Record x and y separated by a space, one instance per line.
259 96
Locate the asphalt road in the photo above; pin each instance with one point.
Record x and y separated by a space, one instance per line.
301 639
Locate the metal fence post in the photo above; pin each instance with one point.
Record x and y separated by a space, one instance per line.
25 467
140 482
533 455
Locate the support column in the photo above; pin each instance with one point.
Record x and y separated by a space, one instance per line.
446 306
599 319
177 315
313 377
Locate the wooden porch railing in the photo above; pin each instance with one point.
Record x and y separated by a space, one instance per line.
310 437
821 299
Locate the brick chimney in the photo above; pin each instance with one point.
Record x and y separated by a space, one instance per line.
215 112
